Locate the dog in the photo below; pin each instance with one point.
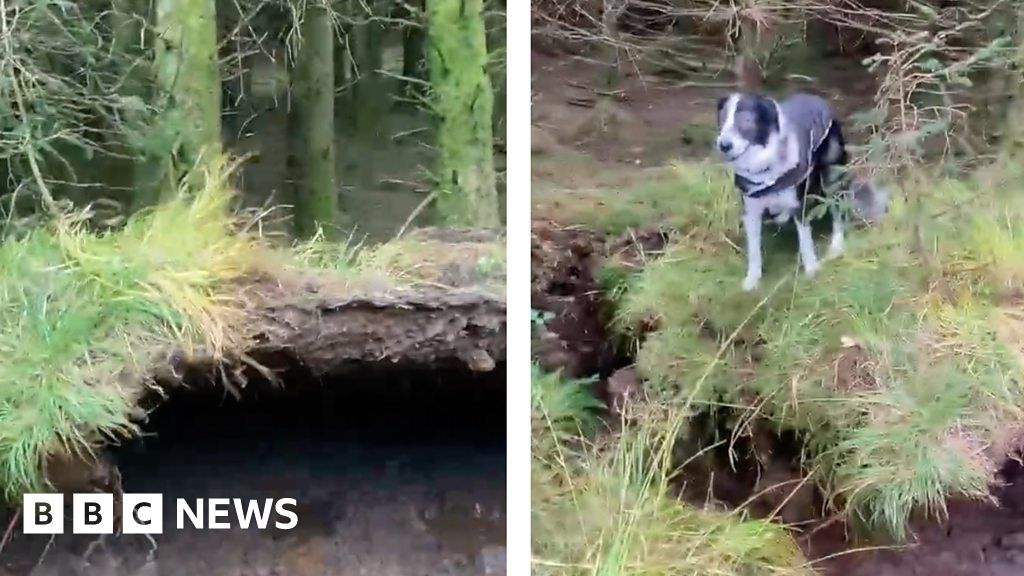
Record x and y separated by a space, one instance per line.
786 157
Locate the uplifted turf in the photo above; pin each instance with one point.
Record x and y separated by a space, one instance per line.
899 364
84 317
81 315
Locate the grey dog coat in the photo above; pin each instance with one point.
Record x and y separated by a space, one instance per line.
809 119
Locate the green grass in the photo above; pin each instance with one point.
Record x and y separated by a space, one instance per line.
408 261
84 316
684 196
81 315
608 509
898 364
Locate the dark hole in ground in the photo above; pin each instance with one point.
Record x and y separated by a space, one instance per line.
394 473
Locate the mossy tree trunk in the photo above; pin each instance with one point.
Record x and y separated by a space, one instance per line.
312 130
496 48
128 19
188 76
463 102
371 99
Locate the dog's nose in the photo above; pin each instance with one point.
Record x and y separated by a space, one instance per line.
724 146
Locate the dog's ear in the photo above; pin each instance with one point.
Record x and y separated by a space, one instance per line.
767 113
720 106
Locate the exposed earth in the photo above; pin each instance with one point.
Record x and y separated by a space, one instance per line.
400 474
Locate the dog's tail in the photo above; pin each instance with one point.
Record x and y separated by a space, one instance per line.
870 202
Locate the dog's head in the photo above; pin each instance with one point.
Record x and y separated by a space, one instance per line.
746 125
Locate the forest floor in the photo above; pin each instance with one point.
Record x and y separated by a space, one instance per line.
216 363
853 408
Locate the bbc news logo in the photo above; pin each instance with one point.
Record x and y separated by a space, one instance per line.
144 513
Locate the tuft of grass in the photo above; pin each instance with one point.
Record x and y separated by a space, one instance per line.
82 314
409 261
608 508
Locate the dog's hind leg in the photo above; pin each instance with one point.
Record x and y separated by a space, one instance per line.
807 255
752 229
835 245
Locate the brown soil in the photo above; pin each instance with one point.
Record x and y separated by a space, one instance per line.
573 338
562 284
333 327
650 120
854 369
978 539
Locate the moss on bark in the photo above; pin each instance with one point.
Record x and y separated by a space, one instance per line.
188 76
315 194
463 102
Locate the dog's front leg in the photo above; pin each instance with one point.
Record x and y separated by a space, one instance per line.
807 255
752 229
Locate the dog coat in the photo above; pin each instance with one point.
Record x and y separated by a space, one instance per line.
809 119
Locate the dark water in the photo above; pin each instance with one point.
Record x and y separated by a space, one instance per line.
408 481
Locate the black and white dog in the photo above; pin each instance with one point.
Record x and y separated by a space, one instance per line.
786 156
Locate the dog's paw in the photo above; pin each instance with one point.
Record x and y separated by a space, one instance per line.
835 248
811 269
750 283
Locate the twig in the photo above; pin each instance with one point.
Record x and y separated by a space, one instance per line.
416 212
19 98
45 550
10 530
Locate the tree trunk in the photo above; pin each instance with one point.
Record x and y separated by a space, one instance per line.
342 71
613 52
128 20
1013 86
750 55
188 76
370 90
463 102
496 47
315 193
414 41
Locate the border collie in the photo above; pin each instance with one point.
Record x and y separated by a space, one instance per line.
786 156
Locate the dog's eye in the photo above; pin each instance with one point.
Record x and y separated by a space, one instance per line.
745 119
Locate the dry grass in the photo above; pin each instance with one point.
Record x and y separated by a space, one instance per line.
608 508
